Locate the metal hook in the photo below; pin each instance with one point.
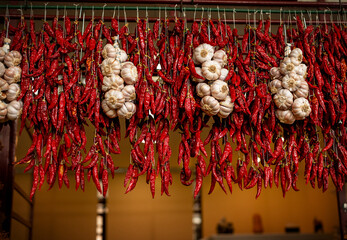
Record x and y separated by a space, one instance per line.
165 13
175 12
125 16
218 13
281 16
114 11
31 10
234 11
159 15
80 15
309 13
137 14
45 13
76 11
103 11
202 15
57 12
195 6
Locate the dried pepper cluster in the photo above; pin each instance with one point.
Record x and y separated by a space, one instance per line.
290 88
117 73
10 75
64 79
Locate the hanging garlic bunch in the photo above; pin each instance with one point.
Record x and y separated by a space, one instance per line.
118 84
212 89
289 87
10 74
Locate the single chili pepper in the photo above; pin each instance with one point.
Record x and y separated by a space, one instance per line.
35 181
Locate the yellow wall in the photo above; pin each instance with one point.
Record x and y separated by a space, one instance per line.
298 208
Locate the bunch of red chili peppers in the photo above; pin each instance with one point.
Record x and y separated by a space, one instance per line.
61 88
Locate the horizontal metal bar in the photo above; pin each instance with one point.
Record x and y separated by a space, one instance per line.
133 19
224 2
141 8
20 219
22 193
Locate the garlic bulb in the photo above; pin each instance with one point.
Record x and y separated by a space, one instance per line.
3 85
275 73
122 56
204 52
12 59
126 65
211 70
291 82
223 74
198 71
219 90
2 69
110 66
2 54
274 86
109 51
3 110
14 109
112 82
114 99
111 113
13 74
210 105
129 74
302 91
127 110
301 70
226 107
301 108
286 66
287 49
13 92
296 56
221 57
129 93
3 96
285 116
283 99
203 89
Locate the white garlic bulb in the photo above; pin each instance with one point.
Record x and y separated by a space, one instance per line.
204 52
210 105
203 89
274 86
226 107
114 99
211 70
219 90
283 99
301 108
285 116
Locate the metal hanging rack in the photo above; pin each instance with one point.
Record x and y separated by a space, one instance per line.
187 9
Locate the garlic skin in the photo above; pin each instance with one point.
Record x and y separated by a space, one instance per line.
198 71
219 90
13 74
112 82
223 74
122 56
291 82
129 74
110 66
226 107
3 110
221 57
111 113
127 110
210 105
296 56
283 99
286 66
2 54
203 89
129 93
302 91
12 59
3 85
2 69
274 86
109 51
301 108
114 99
14 109
275 73
301 70
211 70
285 116
202 53
13 92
